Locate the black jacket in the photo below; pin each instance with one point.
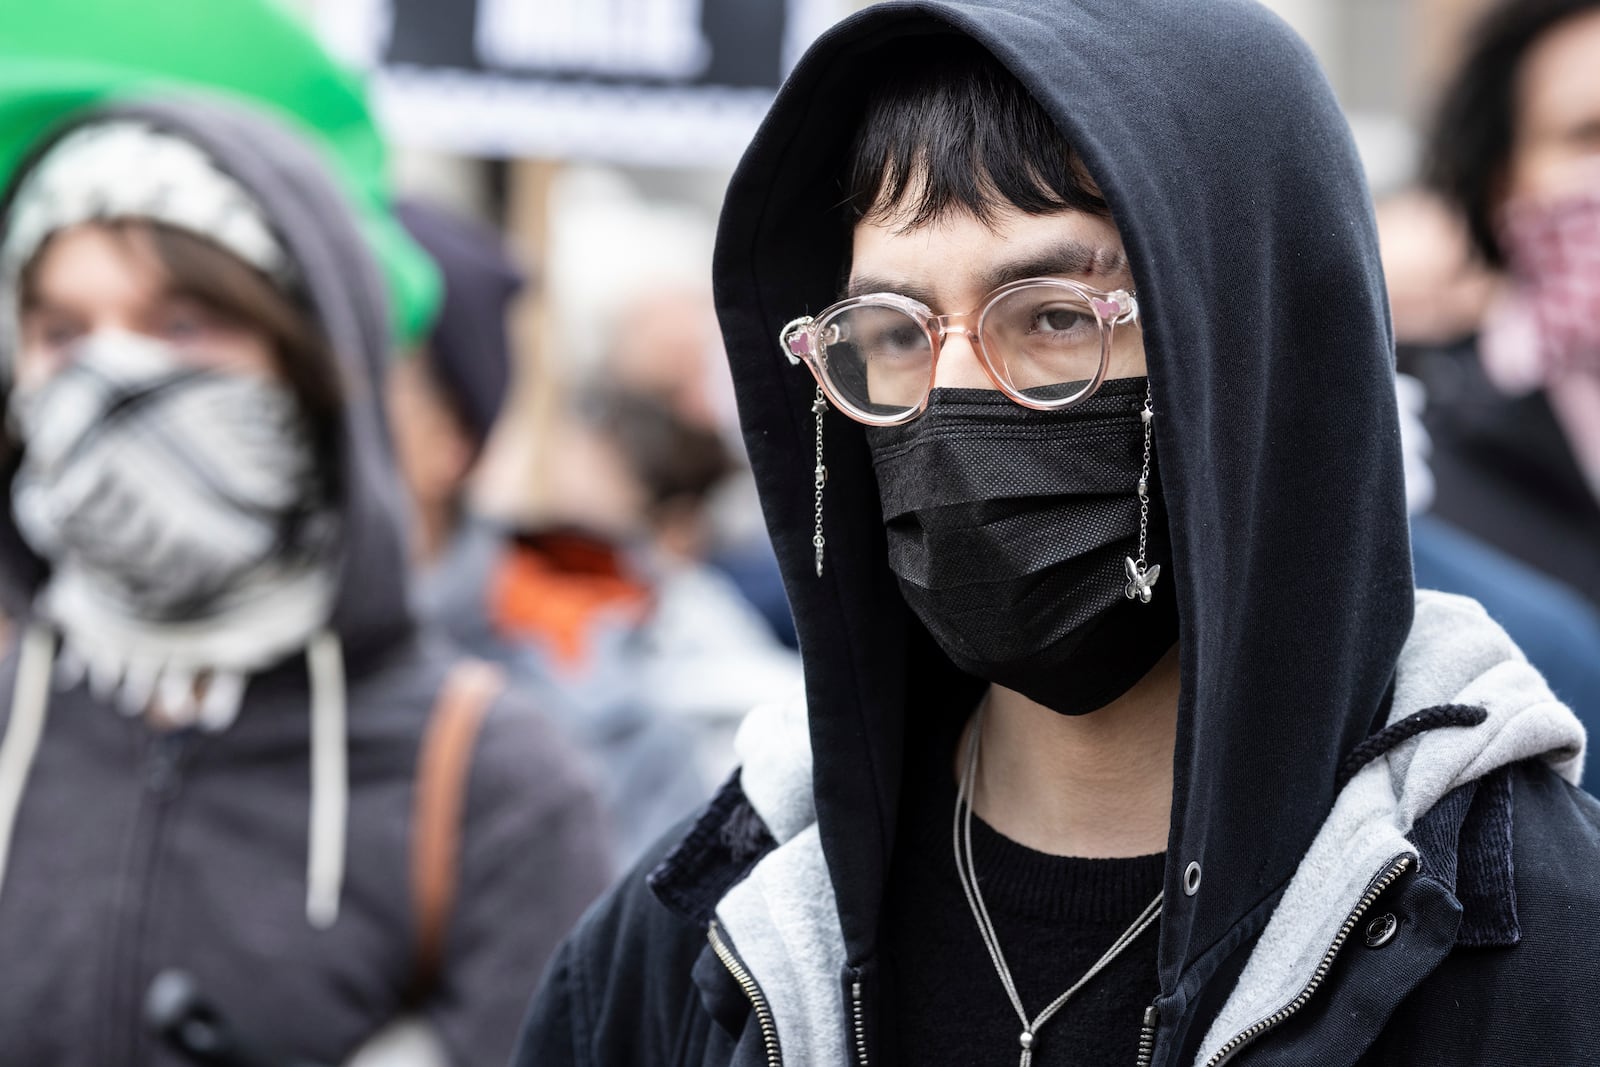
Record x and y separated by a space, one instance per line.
1346 751
1503 468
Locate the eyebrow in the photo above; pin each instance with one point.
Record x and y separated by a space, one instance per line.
1076 258
1072 258
35 302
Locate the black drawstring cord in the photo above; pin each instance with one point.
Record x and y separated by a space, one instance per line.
1434 718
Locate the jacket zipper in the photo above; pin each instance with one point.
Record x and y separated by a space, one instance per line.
1147 1037
1238 1041
769 1026
858 1019
160 773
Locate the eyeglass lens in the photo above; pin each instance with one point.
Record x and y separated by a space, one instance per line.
1045 343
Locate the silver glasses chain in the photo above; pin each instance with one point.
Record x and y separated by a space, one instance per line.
1141 576
962 836
820 479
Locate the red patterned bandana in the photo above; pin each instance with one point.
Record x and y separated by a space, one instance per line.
1551 314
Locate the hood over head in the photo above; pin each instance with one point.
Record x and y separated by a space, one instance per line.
315 226
469 348
61 57
1232 177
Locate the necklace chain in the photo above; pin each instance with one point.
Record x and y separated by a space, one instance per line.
961 835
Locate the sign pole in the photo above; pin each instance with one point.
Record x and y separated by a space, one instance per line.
514 477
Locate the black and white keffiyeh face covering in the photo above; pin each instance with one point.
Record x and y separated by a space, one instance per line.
180 511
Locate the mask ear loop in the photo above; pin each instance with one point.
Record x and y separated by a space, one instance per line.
1141 577
820 479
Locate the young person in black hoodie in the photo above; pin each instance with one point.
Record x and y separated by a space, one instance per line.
1127 738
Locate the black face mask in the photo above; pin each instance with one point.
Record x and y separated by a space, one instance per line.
1009 530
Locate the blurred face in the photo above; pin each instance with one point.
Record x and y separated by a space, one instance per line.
953 264
434 451
668 346
90 280
1557 146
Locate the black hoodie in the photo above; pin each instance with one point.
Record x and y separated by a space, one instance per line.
1233 180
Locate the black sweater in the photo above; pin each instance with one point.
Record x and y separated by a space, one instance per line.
1504 468
1054 916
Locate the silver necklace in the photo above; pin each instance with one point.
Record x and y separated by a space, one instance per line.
961 835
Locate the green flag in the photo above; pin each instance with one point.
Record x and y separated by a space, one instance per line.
59 55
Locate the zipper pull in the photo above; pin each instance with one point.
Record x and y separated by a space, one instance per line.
1147 1036
858 1020
164 763
747 982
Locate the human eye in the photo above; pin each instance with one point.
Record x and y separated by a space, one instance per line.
184 322
882 334
1585 135
896 339
51 330
61 333
1060 320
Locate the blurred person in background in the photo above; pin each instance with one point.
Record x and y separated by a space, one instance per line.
445 396
229 749
608 598
660 401
1513 409
1438 291
1066 373
701 653
543 604
667 347
60 57
1438 287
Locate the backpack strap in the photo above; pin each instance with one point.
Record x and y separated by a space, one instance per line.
444 764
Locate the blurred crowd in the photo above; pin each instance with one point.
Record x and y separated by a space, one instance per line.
1491 265
324 738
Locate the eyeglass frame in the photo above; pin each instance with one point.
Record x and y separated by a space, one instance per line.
1112 308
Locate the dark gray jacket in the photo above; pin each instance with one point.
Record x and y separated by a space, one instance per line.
135 852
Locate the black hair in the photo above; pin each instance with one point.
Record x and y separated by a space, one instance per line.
946 126
677 463
1474 127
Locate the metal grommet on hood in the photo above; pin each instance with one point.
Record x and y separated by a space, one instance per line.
1382 929
1191 879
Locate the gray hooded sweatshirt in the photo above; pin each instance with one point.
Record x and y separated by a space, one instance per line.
135 851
